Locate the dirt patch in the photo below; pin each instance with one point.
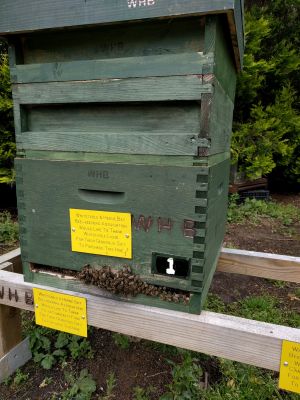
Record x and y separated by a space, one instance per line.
6 248
232 287
267 235
140 365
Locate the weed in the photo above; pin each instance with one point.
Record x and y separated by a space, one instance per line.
280 284
9 230
111 383
186 380
244 382
49 347
264 308
142 393
121 341
20 378
81 387
215 304
251 210
47 381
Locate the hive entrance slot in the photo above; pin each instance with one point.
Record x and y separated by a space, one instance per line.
165 264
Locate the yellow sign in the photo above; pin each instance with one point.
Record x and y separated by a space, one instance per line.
101 232
61 312
290 367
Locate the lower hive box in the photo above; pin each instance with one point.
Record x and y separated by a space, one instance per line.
148 234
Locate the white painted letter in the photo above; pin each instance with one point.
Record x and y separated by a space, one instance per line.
132 3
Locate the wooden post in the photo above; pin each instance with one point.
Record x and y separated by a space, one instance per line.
10 322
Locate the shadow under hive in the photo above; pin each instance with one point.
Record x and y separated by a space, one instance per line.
123 125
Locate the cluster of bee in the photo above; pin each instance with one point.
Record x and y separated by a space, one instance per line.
124 282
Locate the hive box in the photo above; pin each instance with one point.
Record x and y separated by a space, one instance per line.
123 114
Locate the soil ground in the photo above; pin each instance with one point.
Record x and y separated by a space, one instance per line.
144 364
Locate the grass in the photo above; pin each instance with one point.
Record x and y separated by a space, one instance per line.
9 229
264 308
252 210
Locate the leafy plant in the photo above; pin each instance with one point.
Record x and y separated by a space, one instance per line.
9 229
244 382
121 341
81 387
266 121
111 383
49 347
7 139
140 393
20 378
186 380
251 210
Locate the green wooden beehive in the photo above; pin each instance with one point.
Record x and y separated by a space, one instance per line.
123 114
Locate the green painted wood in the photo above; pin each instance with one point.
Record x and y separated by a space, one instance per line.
225 70
49 183
147 39
31 15
177 191
165 129
136 119
74 285
115 90
133 67
132 143
180 161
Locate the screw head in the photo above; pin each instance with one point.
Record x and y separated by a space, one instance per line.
73 230
286 364
127 235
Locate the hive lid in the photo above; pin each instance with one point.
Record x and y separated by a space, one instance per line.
20 16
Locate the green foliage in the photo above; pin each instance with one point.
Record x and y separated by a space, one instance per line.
121 341
142 393
252 210
81 387
49 347
9 229
260 308
7 139
244 382
111 383
20 378
267 121
186 380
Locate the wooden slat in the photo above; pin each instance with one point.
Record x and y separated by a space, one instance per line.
114 143
14 359
115 90
131 67
263 265
238 339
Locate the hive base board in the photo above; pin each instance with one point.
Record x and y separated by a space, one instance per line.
70 283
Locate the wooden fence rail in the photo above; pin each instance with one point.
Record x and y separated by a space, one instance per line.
251 342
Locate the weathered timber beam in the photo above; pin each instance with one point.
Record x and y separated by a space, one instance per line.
262 265
238 339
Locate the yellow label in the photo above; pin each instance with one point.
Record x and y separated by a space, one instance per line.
290 367
61 312
101 232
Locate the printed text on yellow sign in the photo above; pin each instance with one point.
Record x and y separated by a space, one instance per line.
290 367
101 232
60 311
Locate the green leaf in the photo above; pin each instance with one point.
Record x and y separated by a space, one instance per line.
48 361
